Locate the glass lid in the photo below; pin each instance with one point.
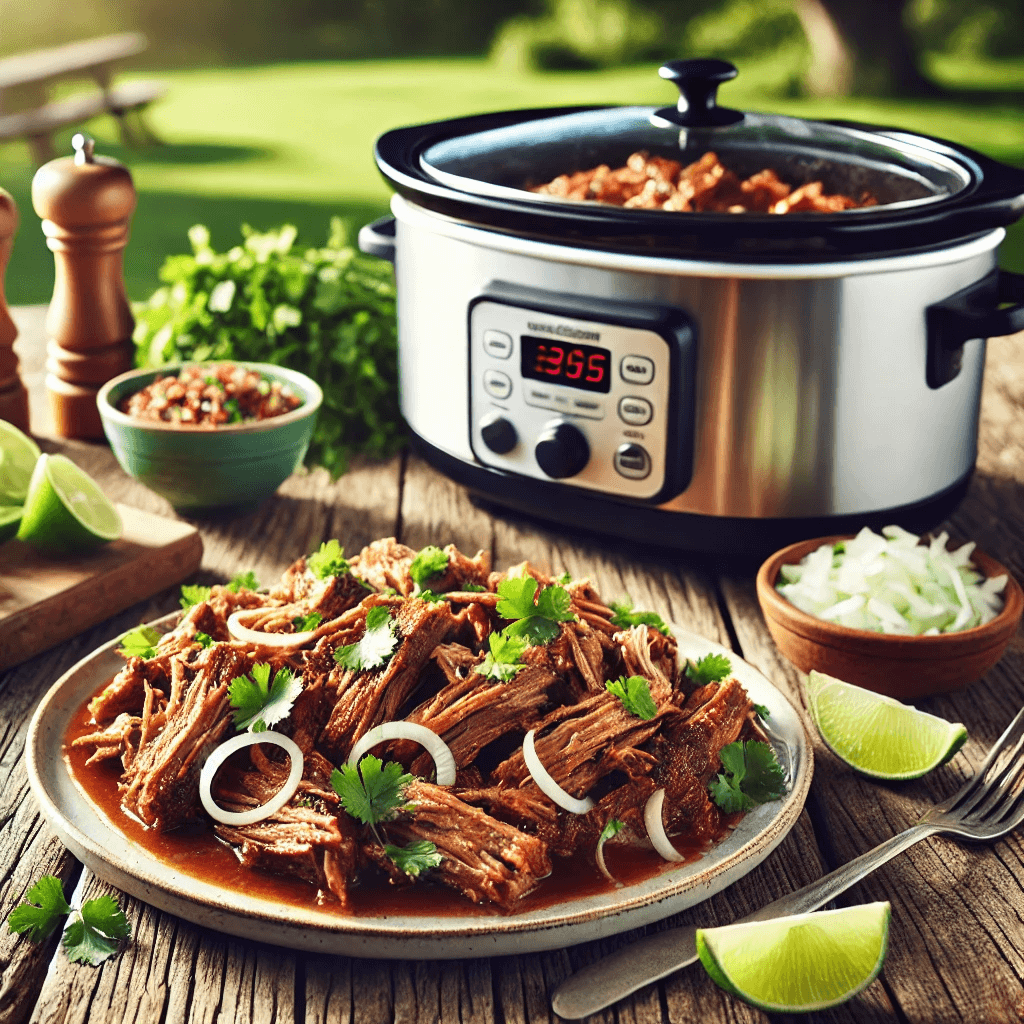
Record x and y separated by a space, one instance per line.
698 157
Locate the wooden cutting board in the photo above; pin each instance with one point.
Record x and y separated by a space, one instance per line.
45 599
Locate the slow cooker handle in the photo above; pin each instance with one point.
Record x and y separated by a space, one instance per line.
378 238
973 312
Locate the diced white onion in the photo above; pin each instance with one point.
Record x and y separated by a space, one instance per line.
275 803
444 761
256 636
656 829
547 785
893 584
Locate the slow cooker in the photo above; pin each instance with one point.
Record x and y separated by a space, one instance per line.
710 381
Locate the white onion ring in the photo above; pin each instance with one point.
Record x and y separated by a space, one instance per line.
656 830
444 760
547 785
256 636
275 803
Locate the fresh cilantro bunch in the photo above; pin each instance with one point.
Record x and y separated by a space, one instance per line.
91 934
329 313
635 694
329 560
624 616
712 668
373 793
376 646
752 775
260 703
502 661
535 615
140 642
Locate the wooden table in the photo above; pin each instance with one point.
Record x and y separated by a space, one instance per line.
957 940
36 117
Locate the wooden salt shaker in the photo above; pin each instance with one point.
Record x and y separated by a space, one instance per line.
13 396
86 203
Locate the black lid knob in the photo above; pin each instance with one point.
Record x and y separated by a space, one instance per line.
562 450
698 81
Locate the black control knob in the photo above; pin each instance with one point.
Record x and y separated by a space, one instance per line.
499 434
562 450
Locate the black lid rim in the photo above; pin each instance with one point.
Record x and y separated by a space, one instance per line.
995 198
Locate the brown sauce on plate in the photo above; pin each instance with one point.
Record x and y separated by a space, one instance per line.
196 851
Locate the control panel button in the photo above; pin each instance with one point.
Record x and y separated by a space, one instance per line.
497 384
562 450
498 433
632 461
636 369
635 411
498 344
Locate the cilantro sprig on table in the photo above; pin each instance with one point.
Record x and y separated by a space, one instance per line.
635 694
373 793
377 645
260 702
535 615
624 616
752 775
92 933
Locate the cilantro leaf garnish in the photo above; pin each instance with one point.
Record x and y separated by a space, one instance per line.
537 620
612 829
415 858
503 660
258 702
94 931
761 711
43 910
473 588
329 560
624 616
244 581
139 643
430 597
752 776
192 594
712 668
429 561
203 639
372 792
635 694
304 623
376 646
564 579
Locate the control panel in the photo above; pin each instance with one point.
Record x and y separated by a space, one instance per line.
590 393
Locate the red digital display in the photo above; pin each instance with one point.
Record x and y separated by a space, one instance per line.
586 367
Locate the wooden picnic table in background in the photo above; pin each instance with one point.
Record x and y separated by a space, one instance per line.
957 937
26 79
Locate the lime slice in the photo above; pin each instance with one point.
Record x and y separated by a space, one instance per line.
877 735
64 510
18 456
10 516
801 963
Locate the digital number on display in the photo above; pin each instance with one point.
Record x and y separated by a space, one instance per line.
576 366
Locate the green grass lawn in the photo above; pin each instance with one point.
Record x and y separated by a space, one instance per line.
294 143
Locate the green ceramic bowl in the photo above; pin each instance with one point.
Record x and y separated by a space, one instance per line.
230 467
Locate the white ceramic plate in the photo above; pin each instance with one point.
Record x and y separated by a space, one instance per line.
111 855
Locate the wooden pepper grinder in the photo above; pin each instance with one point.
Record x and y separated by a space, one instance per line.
86 203
13 396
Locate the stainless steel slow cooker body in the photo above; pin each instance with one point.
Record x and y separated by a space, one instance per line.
749 381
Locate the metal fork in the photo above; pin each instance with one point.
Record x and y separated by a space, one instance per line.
989 805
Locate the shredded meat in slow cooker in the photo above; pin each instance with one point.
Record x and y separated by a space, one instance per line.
656 183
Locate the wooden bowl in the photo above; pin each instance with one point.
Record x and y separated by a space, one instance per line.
905 667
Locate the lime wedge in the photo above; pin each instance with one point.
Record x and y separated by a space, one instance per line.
18 455
877 735
64 510
10 516
801 963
